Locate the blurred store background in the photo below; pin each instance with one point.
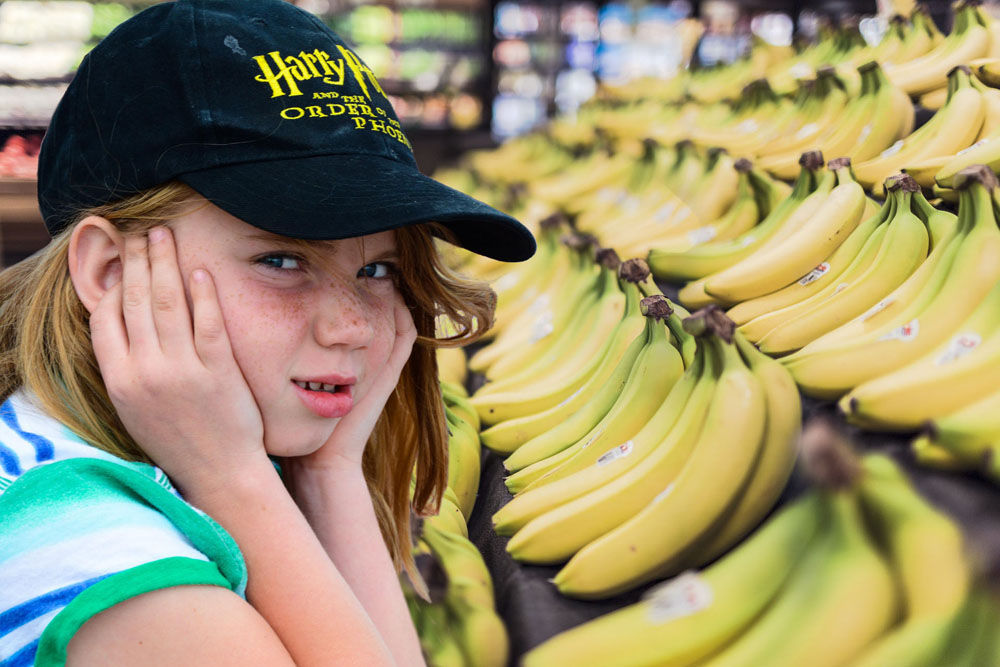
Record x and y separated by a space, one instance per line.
462 74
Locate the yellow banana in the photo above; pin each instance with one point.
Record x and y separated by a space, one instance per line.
903 249
838 368
555 520
688 617
777 458
927 554
951 376
650 544
837 600
782 263
463 462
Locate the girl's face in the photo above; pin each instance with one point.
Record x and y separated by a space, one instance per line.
309 336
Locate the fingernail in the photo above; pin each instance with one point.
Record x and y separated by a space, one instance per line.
199 276
157 234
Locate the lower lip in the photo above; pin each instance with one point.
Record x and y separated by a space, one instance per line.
325 404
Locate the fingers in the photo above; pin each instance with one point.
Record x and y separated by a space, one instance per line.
107 332
166 297
139 325
211 341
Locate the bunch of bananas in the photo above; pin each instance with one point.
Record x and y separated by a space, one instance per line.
453 607
925 312
964 439
873 260
457 622
628 502
859 571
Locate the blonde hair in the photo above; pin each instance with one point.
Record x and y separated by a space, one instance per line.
45 346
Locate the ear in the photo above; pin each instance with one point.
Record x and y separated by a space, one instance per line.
95 265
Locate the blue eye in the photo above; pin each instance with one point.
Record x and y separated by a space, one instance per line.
376 270
280 262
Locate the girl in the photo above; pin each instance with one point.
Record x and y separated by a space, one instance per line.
242 276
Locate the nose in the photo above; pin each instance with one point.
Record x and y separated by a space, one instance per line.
343 318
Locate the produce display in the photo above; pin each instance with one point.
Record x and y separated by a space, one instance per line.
859 570
830 221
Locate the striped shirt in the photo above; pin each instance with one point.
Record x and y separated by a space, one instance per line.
81 530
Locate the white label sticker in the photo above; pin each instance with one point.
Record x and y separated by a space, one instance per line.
609 194
958 347
747 241
619 452
905 333
748 126
865 131
685 594
664 212
876 309
681 216
539 304
701 235
630 205
542 328
506 281
807 130
892 150
800 71
815 274
973 146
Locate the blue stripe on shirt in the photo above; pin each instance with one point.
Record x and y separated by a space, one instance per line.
44 451
28 611
23 658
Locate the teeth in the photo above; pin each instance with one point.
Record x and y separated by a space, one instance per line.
329 387
314 386
317 386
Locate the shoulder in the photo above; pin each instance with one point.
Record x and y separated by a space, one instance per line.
81 535
178 626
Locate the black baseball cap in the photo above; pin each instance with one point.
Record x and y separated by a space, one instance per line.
264 111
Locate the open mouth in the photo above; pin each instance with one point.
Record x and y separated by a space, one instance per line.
322 386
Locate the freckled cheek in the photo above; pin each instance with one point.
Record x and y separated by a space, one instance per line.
263 330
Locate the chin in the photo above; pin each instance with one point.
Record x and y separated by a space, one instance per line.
294 446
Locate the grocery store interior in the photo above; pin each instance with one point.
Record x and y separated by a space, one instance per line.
743 406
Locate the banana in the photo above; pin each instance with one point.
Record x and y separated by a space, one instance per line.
581 424
562 370
968 40
771 268
463 461
817 278
837 600
951 376
973 641
927 554
950 130
970 435
553 521
457 399
712 257
777 458
508 435
648 385
650 544
903 249
449 517
451 364
688 617
834 369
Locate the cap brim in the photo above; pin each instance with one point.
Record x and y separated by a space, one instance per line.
342 196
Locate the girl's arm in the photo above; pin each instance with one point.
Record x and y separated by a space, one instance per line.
330 488
180 394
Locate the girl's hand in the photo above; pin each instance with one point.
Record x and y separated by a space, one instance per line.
172 376
346 444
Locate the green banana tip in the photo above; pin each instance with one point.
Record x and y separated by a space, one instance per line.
811 160
839 163
828 457
903 182
710 320
608 258
656 306
634 270
977 173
